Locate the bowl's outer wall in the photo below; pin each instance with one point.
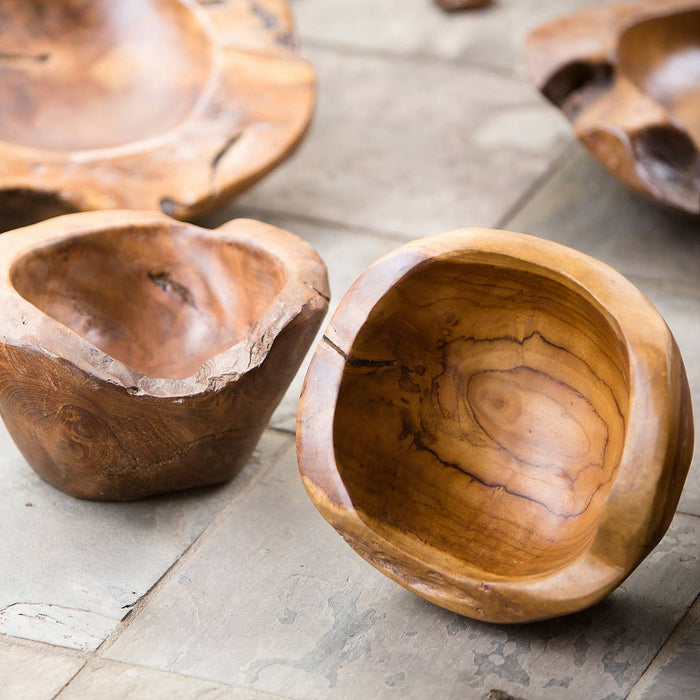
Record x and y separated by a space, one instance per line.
99 441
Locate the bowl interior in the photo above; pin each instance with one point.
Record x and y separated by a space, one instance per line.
91 74
159 298
482 417
662 57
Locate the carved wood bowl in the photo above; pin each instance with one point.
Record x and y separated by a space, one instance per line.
147 104
498 423
140 355
628 77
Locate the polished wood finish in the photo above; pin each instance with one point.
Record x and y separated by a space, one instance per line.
628 77
497 422
147 104
452 5
141 355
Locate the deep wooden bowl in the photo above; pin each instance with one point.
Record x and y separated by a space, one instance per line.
499 423
140 355
147 104
628 77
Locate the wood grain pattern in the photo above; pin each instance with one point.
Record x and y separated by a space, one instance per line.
627 77
499 423
141 355
160 104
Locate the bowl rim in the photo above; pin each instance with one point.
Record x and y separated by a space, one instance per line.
23 324
652 432
229 140
609 121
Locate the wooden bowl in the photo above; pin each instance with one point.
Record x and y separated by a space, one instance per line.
498 423
147 104
628 77
141 355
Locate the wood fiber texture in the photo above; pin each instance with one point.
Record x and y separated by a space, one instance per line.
141 355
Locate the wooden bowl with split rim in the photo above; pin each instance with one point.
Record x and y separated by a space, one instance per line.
498 423
146 104
140 355
628 77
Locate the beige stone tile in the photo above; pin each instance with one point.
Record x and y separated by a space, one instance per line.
414 148
273 599
585 207
30 671
108 680
675 672
492 36
72 569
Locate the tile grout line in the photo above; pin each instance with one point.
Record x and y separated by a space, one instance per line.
184 676
670 636
141 603
71 679
558 163
414 57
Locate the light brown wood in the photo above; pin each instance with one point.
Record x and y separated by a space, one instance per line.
497 422
628 77
147 104
140 355
452 5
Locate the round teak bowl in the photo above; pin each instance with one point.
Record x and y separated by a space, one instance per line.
140 355
499 423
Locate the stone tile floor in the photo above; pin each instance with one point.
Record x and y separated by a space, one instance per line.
425 122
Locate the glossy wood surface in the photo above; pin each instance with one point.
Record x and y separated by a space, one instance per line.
147 104
141 355
499 423
628 78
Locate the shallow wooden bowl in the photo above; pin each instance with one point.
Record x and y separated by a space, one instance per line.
146 104
499 423
628 77
140 355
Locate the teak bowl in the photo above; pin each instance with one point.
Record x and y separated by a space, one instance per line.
140 355
498 423
147 104
628 77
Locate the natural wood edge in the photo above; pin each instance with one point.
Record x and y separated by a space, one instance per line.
572 60
648 482
305 292
230 141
